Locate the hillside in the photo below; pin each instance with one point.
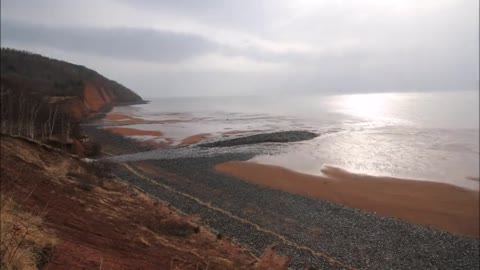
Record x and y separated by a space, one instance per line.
80 90
92 220
45 99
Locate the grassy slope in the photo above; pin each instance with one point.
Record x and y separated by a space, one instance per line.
102 223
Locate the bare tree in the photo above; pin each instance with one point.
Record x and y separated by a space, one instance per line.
68 126
10 113
21 115
46 127
4 108
32 116
52 122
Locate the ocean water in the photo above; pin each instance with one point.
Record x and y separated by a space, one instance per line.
429 136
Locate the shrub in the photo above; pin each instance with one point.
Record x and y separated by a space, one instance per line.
175 226
85 181
179 228
85 186
92 149
101 168
24 241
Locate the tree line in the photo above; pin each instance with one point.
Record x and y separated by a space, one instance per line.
55 77
23 114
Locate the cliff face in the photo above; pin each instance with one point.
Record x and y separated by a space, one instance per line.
94 99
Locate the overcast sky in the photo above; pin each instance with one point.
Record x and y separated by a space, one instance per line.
220 47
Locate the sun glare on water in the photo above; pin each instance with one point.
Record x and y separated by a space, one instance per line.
367 105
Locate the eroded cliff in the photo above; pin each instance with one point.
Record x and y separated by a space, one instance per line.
80 91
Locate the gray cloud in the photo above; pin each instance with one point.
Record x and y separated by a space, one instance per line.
218 47
127 43
253 15
130 43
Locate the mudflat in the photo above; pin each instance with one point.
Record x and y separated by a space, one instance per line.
134 132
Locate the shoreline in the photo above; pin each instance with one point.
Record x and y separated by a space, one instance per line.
122 121
126 131
442 206
193 139
257 217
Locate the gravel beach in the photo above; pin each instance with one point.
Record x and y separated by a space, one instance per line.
315 233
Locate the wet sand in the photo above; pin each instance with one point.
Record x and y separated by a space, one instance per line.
235 132
134 132
122 117
194 139
441 206
130 120
158 144
125 131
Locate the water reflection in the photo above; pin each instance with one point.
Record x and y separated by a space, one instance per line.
405 152
367 105
414 135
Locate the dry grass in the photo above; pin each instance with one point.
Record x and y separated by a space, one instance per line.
135 224
25 243
272 260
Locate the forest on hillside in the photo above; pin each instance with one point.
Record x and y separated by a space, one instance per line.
37 94
43 76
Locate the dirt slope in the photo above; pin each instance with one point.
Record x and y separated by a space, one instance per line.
102 223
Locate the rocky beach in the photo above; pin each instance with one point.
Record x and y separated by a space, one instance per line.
312 232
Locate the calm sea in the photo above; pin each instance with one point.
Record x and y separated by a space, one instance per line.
430 136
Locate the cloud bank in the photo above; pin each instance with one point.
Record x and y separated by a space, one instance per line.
213 47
